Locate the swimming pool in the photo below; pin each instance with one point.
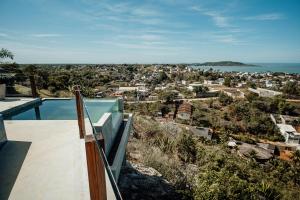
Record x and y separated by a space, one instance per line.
65 109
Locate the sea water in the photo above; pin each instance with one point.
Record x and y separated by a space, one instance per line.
259 67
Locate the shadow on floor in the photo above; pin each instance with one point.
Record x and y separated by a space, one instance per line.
10 100
12 156
143 184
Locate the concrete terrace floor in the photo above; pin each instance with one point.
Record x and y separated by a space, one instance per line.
43 159
14 102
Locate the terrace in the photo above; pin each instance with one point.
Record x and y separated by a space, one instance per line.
49 157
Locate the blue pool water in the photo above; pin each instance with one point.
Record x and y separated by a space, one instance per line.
66 110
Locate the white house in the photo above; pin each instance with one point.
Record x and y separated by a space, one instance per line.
127 89
193 85
141 87
290 134
264 92
268 83
235 93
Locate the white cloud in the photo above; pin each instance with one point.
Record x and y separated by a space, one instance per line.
46 35
265 17
219 19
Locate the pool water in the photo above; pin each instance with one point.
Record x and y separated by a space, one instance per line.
66 110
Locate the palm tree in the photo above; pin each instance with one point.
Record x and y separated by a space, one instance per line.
4 53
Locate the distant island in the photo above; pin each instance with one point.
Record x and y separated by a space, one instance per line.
223 63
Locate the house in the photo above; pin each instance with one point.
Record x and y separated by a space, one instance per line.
290 134
201 132
153 98
193 85
209 82
141 87
184 111
241 85
268 84
264 92
127 89
235 93
220 81
160 87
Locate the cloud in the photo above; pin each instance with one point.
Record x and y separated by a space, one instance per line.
228 39
46 35
3 35
145 12
219 19
265 17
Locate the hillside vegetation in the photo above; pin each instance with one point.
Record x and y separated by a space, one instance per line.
199 169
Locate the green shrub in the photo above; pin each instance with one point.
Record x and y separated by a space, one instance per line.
186 148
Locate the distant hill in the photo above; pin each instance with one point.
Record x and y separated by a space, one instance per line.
223 63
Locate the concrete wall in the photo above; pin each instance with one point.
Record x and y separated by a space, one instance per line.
3 137
109 127
120 154
2 91
104 126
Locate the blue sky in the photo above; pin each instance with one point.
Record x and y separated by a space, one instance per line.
153 31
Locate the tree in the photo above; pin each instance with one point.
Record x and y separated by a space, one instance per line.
200 89
4 53
227 81
291 88
162 77
251 84
168 96
186 147
30 70
225 99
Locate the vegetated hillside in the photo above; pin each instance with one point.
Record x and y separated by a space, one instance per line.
199 169
224 63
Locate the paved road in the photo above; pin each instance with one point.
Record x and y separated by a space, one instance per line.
197 99
193 99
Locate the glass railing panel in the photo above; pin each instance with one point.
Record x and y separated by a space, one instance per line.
111 184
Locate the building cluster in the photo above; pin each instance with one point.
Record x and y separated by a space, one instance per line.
147 81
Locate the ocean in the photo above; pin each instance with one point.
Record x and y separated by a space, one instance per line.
260 67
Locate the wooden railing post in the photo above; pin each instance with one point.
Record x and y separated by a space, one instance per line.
33 86
96 170
80 112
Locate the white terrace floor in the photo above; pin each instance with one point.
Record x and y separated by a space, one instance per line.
43 159
9 103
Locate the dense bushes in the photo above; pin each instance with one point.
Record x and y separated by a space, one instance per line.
200 170
225 99
187 150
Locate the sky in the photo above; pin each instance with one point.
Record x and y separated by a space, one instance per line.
150 31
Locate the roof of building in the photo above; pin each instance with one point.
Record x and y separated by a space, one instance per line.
286 128
185 108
